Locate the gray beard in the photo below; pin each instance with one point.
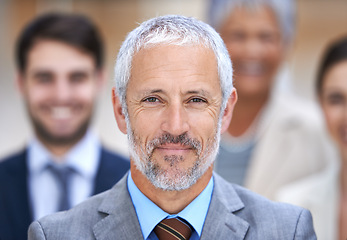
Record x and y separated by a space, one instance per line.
175 178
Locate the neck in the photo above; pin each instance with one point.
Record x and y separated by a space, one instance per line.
171 202
245 112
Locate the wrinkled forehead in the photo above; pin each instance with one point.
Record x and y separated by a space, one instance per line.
163 56
172 50
170 64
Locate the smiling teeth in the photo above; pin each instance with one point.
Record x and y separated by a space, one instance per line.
61 112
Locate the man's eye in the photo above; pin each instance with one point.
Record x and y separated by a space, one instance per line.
44 78
197 100
335 99
237 37
77 78
151 99
267 38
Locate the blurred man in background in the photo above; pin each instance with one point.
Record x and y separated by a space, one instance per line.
274 138
60 75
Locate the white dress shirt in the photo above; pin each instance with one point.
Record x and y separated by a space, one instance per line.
44 190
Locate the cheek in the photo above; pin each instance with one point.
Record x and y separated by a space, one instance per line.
86 93
204 125
235 50
275 60
146 124
334 119
274 54
37 95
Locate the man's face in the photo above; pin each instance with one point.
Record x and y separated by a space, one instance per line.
60 86
334 103
174 101
253 39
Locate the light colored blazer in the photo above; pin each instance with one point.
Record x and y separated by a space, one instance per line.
292 144
318 193
234 213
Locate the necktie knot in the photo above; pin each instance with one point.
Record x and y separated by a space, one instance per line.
62 175
173 229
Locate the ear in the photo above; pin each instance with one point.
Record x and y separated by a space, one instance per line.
118 112
228 112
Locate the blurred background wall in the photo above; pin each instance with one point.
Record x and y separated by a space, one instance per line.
318 22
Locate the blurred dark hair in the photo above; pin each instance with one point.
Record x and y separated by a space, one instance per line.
335 53
72 29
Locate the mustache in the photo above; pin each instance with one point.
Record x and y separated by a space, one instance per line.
166 138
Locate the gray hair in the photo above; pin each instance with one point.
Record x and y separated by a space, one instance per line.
284 10
172 30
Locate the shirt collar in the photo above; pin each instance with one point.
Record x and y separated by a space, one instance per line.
83 157
149 214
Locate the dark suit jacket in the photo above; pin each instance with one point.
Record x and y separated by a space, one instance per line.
234 213
15 209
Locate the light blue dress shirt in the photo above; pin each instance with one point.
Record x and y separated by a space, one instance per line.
149 214
44 191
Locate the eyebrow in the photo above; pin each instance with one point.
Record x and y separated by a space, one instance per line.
151 91
40 73
156 91
330 89
200 91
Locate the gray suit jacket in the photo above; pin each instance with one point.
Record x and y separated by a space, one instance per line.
234 213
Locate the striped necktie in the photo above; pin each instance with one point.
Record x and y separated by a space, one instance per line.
173 229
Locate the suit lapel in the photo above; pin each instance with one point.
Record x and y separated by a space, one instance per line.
220 221
120 220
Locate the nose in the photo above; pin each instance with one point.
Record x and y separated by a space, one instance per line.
175 120
253 48
62 90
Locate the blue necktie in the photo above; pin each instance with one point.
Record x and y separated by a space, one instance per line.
62 174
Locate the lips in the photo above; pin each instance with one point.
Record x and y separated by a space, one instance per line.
174 149
169 144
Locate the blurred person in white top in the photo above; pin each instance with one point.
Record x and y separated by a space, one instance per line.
325 193
275 137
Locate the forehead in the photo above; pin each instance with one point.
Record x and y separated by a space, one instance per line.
336 76
52 54
180 64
